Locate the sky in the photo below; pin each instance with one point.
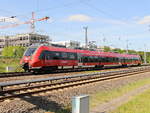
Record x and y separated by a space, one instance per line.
110 22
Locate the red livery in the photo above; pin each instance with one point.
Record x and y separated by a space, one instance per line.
52 58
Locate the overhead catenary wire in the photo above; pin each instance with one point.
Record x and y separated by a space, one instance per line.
97 9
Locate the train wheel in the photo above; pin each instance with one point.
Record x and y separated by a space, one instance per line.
99 66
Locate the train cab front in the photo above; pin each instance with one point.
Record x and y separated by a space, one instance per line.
27 58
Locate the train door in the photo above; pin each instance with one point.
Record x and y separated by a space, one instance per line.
43 61
80 62
44 58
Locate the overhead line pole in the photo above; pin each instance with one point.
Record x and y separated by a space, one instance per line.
127 47
145 62
86 38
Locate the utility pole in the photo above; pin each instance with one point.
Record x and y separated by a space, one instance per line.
127 47
86 38
145 62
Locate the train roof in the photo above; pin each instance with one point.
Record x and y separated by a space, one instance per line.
88 52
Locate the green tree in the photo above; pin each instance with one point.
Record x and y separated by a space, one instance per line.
107 49
132 52
13 51
118 50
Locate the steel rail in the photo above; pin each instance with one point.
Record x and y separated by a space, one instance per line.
19 82
14 74
65 84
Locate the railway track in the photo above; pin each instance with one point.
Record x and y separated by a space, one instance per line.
15 74
29 87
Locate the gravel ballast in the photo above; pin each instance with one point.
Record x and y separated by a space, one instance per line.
55 101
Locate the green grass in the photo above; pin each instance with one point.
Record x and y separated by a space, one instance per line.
61 110
104 96
14 62
139 104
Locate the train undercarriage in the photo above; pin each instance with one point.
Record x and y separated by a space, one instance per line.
27 68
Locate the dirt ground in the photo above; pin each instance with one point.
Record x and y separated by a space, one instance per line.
113 104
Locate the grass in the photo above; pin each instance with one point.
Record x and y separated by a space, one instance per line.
139 104
14 62
104 96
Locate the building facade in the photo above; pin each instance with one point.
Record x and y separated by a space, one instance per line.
68 44
24 40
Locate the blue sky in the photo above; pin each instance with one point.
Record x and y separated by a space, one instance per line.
114 20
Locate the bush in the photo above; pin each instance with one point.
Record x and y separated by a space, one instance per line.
13 51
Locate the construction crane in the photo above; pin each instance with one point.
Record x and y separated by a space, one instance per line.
31 22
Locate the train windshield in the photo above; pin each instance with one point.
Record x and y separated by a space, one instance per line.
30 51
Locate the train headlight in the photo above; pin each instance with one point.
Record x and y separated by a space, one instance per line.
26 58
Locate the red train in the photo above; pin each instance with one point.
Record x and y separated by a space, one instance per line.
53 58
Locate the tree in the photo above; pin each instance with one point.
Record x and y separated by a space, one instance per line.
132 52
13 51
107 49
118 50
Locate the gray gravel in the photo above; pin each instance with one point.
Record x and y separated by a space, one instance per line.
26 77
55 101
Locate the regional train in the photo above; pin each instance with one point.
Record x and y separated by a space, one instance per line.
44 57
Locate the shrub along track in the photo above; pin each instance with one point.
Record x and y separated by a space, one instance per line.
37 86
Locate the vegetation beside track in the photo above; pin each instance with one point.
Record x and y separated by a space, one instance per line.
11 56
104 96
139 104
14 62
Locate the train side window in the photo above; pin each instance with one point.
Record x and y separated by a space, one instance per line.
88 58
107 59
100 59
117 59
113 59
76 56
44 55
85 59
64 56
91 59
48 55
72 56
56 55
103 59
96 59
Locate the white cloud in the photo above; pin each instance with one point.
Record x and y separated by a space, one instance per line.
79 18
144 20
9 19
